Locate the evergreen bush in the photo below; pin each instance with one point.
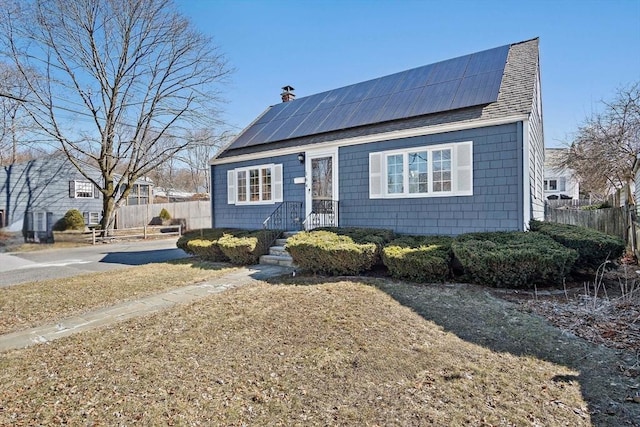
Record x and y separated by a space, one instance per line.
512 259
594 247
72 220
164 215
422 259
205 249
245 248
322 251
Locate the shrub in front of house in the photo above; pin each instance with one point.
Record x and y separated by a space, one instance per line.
512 259
211 234
245 248
593 246
378 236
203 243
205 249
72 220
322 251
242 247
423 259
363 235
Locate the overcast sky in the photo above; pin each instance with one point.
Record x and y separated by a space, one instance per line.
588 48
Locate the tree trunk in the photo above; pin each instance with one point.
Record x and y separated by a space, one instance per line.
108 212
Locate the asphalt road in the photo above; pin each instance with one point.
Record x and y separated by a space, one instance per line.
46 264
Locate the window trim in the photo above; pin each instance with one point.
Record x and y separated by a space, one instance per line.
378 173
275 183
88 218
86 183
560 184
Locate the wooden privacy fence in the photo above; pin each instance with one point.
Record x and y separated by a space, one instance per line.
617 221
196 214
143 232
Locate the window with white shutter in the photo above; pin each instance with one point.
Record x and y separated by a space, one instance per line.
431 171
261 184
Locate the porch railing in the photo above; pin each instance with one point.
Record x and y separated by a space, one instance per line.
324 213
287 217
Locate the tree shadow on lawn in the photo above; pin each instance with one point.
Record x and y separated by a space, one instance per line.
475 315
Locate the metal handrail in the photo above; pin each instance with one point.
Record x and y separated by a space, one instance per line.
324 213
287 217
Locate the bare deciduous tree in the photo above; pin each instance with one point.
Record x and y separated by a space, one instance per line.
117 79
14 121
204 144
607 145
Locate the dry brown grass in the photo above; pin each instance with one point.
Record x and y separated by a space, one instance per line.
31 304
330 354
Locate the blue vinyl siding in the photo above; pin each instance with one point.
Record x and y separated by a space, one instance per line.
496 203
41 185
497 181
251 216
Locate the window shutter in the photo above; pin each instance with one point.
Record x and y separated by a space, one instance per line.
72 189
231 187
375 175
277 184
464 169
96 192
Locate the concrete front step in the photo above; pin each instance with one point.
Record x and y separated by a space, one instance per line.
277 254
278 250
284 261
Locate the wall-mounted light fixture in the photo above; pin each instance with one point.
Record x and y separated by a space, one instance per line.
301 157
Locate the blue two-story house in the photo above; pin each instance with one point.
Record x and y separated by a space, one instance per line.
447 148
35 194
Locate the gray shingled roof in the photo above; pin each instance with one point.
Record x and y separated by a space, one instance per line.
514 98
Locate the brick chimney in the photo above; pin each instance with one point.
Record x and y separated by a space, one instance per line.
287 94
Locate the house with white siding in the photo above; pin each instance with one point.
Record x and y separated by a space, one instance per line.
559 182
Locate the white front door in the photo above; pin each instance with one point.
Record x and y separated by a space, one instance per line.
321 202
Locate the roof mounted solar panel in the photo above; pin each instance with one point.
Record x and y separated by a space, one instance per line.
461 82
478 89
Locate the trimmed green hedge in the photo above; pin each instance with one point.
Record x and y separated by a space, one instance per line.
211 234
363 235
246 248
205 249
322 251
419 258
512 259
243 247
594 247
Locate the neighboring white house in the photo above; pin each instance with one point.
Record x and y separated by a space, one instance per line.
559 182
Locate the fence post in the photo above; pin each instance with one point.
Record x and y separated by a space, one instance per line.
145 232
179 229
93 236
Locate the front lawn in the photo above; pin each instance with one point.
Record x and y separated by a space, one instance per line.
343 353
32 304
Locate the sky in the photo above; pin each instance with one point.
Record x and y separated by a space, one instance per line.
588 49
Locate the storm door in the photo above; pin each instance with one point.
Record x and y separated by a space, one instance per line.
321 185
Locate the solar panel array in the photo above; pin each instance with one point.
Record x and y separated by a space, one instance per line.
455 83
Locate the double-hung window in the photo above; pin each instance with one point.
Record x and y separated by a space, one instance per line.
437 170
555 184
82 190
260 184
